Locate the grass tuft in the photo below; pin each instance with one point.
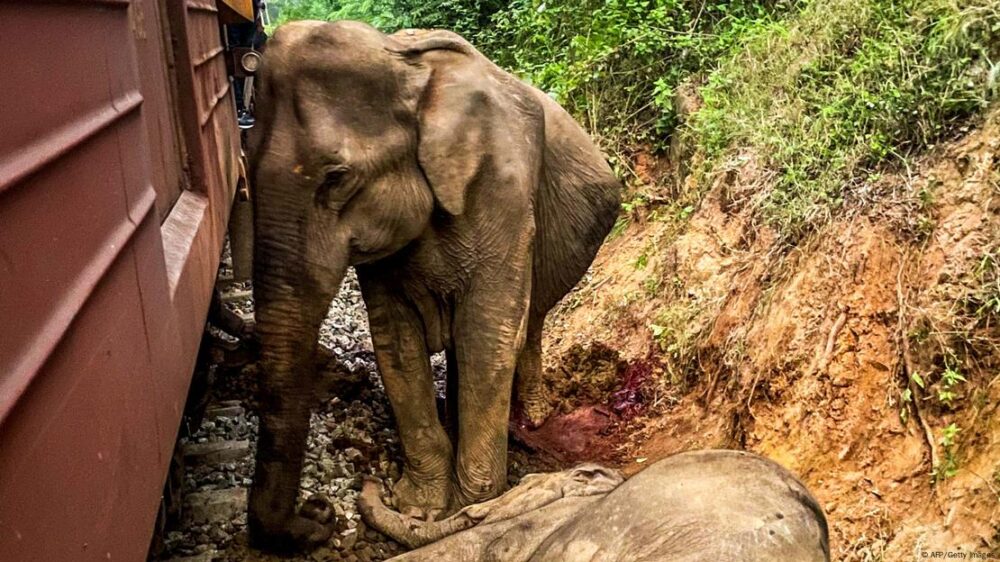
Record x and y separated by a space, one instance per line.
844 87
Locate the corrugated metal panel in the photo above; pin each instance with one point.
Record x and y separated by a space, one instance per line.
168 158
106 263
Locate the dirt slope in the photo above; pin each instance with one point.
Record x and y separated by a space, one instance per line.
698 328
836 357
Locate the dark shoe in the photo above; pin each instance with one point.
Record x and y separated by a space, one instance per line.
246 120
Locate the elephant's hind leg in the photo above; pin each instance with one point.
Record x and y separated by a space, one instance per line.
532 394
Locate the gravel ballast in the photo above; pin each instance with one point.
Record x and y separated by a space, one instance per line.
349 437
352 435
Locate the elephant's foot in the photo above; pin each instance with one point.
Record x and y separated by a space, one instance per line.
311 527
426 499
477 490
535 407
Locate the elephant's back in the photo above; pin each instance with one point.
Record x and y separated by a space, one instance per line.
699 506
575 207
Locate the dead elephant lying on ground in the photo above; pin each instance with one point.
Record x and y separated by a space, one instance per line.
691 507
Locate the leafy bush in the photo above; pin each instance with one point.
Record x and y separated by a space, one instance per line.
845 86
466 17
616 63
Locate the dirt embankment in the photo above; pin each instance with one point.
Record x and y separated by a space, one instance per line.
864 358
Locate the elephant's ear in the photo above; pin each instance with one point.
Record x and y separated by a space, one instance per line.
590 479
454 113
453 143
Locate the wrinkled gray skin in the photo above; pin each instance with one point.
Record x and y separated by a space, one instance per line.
702 506
535 491
469 202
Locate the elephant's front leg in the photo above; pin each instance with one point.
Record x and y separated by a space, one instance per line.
489 335
425 488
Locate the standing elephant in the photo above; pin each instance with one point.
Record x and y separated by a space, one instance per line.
468 202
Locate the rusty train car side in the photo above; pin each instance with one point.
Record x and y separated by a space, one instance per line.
119 157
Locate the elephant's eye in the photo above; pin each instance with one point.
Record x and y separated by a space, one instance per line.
331 181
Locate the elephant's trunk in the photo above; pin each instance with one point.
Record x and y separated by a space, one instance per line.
410 532
292 294
533 493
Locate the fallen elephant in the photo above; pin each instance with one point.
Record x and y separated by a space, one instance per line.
692 507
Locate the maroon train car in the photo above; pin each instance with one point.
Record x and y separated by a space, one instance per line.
119 157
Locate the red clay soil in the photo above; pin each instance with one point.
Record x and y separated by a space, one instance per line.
807 355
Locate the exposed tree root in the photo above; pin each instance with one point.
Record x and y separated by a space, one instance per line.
906 362
831 341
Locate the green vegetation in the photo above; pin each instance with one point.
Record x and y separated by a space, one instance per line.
615 63
950 381
845 86
678 326
958 343
985 302
948 388
467 17
948 466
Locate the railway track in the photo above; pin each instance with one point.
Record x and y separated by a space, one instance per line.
352 435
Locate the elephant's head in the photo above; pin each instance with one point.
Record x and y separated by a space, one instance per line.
360 139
